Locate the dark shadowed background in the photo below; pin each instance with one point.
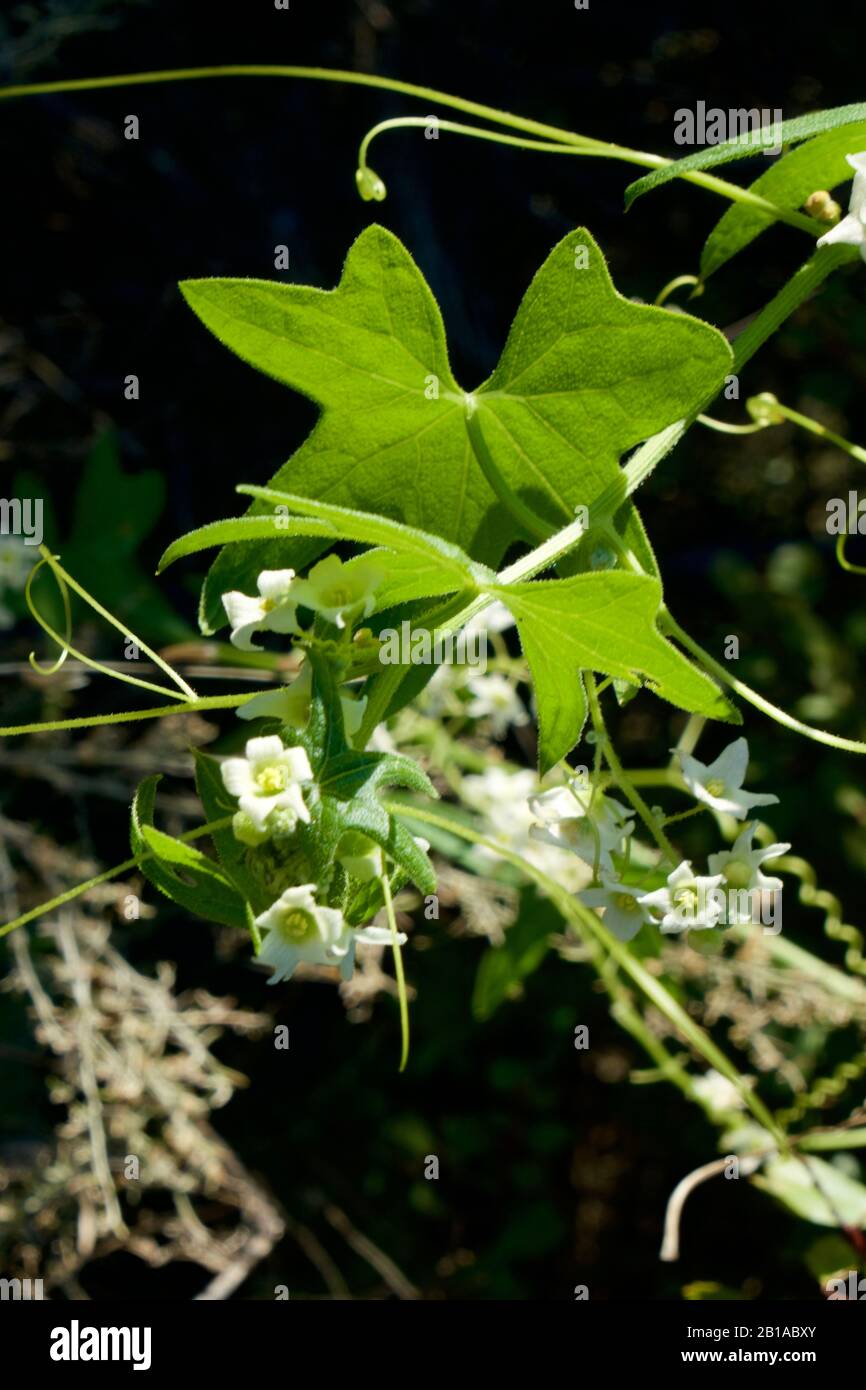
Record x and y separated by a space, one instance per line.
555 1170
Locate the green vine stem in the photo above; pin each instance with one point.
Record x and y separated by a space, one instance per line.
845 745
398 968
621 777
105 877
554 134
93 721
588 924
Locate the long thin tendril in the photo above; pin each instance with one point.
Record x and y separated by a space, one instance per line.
65 582
65 648
398 968
845 745
71 893
548 133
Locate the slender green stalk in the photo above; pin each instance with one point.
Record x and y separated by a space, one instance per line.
587 922
398 970
71 893
621 777
815 427
800 286
50 726
97 607
66 647
676 284
722 427
65 582
555 134
824 1139
846 745
476 132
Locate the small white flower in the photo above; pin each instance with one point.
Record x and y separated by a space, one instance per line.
340 592
502 798
268 779
852 229
740 867
495 698
272 611
717 1092
688 903
291 704
624 910
297 929
720 784
586 825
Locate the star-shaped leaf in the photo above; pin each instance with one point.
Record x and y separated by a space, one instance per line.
598 622
585 375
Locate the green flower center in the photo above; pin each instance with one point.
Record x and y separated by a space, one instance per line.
625 903
271 779
296 926
685 900
716 787
337 598
738 874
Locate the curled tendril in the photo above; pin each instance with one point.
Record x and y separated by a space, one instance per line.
677 283
811 895
67 618
846 564
371 187
825 1090
65 582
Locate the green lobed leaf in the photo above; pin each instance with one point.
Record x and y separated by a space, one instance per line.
179 870
797 129
237 530
599 622
348 783
817 164
585 375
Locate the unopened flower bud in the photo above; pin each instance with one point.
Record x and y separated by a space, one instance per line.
822 207
246 830
764 409
370 186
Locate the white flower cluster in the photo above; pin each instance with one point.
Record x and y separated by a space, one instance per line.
502 798
270 782
340 592
597 829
